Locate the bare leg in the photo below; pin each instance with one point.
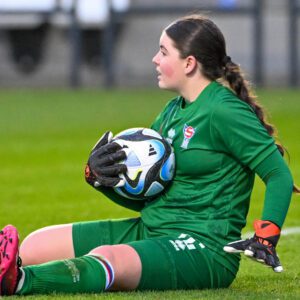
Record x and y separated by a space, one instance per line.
46 244
126 264
124 259
56 243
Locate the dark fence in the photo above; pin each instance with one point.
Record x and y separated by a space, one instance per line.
294 13
254 11
75 57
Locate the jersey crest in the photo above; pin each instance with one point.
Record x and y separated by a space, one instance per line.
188 133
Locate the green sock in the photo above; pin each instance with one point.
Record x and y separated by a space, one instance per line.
87 274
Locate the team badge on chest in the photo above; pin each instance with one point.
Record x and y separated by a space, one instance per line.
188 133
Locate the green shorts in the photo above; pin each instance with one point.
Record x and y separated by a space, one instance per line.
169 262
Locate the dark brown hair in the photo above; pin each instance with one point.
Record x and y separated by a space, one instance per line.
198 36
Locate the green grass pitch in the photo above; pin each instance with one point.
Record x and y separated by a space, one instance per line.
46 137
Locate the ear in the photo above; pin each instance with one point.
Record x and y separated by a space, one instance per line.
191 64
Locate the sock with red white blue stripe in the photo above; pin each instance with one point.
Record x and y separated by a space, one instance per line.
86 274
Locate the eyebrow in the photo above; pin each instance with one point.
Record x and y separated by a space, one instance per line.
162 47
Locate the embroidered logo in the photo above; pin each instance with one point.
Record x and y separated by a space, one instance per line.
171 135
188 133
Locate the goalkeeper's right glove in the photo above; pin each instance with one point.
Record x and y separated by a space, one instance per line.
103 167
261 246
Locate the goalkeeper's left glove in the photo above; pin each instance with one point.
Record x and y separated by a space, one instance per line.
261 246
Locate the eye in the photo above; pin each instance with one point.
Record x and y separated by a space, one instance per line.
163 52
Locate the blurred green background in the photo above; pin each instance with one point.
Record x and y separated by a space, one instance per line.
46 136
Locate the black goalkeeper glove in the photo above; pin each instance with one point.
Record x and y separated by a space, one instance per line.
102 168
261 246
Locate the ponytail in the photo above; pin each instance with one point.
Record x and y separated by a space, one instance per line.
199 36
233 75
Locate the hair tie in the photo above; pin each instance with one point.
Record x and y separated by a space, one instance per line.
226 60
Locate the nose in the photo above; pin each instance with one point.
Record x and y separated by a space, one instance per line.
155 59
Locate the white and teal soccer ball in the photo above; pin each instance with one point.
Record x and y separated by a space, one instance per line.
150 163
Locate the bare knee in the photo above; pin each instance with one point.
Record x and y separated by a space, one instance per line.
46 244
125 262
107 252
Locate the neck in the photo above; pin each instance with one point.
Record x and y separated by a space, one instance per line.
193 89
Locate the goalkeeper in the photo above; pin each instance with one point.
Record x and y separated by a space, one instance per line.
182 238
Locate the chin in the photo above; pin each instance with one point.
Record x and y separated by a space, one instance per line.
163 85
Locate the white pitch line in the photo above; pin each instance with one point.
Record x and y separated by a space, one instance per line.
287 231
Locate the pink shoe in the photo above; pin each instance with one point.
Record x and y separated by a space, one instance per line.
9 260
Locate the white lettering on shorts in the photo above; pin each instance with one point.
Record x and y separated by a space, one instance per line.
183 242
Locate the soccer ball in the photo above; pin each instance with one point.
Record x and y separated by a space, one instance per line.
150 163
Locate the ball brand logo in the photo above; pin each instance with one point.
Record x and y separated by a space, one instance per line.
151 150
188 133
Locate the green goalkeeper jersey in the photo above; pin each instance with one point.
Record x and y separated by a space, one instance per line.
218 141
